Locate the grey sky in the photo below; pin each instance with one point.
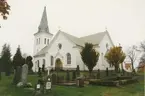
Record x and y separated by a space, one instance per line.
125 20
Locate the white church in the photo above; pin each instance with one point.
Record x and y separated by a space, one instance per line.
48 48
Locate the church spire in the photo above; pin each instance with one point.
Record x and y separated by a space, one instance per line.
44 23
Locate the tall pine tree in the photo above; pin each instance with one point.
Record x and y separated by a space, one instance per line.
18 60
6 59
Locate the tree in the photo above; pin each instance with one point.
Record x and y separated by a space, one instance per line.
142 49
142 59
89 56
132 54
6 59
18 60
4 9
142 46
29 62
115 56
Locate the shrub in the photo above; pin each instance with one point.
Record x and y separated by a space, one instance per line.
113 81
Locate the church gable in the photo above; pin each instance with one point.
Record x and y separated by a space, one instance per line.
60 40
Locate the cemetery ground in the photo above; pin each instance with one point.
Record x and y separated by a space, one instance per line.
135 89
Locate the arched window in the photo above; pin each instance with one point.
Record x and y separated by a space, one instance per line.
38 63
36 41
39 40
43 65
68 55
45 41
51 60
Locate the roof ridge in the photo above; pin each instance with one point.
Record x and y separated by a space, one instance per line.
69 34
93 34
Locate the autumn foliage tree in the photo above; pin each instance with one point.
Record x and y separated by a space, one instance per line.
115 56
4 8
89 56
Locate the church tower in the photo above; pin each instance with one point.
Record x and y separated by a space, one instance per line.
43 36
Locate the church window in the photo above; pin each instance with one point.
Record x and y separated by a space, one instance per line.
107 46
45 41
51 60
39 40
38 63
44 61
68 58
59 46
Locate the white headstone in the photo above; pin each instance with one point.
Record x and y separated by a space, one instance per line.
48 85
24 73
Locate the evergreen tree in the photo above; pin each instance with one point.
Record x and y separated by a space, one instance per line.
89 56
18 60
6 59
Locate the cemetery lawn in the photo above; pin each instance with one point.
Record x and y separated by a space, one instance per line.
7 89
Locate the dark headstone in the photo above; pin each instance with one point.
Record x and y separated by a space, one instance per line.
67 76
39 72
54 79
78 70
98 74
80 82
73 75
43 68
17 75
107 71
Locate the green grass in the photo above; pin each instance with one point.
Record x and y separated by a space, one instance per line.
6 89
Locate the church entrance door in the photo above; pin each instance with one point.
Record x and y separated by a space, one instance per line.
58 64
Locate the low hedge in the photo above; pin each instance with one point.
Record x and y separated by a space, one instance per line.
113 82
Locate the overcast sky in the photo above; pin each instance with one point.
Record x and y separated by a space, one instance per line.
124 19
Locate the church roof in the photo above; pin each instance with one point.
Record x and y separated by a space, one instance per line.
43 26
42 51
74 39
94 38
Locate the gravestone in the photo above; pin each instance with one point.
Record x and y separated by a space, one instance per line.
107 71
73 75
24 74
54 79
39 72
98 74
17 75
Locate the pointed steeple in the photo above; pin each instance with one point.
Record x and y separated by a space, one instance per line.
44 23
